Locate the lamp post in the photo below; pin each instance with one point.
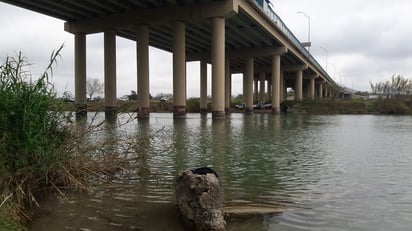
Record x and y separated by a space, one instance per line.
308 44
326 55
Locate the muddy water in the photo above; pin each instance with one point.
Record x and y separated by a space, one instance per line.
328 172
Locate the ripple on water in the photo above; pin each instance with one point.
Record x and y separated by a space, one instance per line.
330 172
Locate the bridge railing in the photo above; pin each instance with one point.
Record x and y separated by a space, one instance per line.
282 26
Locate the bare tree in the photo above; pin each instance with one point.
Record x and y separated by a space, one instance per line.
94 86
397 87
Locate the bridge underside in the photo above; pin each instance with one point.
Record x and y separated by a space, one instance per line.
235 36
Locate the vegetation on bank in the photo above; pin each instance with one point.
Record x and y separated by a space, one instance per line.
40 149
31 138
355 106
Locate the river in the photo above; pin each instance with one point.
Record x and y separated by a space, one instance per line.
339 172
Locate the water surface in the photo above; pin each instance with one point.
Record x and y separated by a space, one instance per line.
328 172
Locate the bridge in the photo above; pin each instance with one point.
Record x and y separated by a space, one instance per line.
234 36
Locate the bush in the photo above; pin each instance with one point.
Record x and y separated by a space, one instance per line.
391 106
31 135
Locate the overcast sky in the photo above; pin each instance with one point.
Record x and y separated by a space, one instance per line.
367 40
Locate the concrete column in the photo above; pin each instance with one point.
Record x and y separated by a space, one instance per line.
179 70
305 89
110 71
255 89
298 86
249 84
270 90
80 73
282 87
312 88
262 79
218 68
203 87
276 84
228 84
143 99
326 92
320 90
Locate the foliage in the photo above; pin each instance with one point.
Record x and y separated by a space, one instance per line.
397 87
31 135
133 95
94 86
391 106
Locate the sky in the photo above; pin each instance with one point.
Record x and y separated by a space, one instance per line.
357 41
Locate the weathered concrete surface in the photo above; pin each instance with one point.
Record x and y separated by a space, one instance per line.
199 198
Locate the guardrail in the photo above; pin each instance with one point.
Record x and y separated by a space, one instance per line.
263 5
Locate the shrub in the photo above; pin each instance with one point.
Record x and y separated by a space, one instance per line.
31 134
391 106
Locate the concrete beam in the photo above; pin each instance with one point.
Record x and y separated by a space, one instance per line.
294 68
188 13
240 53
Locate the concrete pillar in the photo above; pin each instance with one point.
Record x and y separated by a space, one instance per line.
249 84
282 88
312 88
276 84
218 68
143 99
228 81
110 71
298 86
262 79
305 89
270 90
255 89
203 87
179 70
326 92
80 73
320 89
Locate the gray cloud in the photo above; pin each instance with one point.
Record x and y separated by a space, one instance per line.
365 40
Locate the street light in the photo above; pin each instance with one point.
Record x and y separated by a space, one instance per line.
326 55
308 43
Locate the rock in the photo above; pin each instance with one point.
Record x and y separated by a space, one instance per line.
199 198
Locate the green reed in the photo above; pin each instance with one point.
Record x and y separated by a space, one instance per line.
31 135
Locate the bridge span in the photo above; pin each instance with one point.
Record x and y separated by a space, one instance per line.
234 36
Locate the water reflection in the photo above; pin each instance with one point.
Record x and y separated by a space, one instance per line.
330 172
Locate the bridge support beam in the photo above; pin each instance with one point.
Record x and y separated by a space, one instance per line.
203 87
179 70
249 85
262 79
282 87
298 85
228 86
255 89
110 71
218 67
143 100
276 84
320 90
80 73
312 88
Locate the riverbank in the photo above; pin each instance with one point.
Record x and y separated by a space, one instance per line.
353 107
316 107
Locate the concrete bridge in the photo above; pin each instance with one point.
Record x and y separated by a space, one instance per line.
235 36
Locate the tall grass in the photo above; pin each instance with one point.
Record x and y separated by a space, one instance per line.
31 136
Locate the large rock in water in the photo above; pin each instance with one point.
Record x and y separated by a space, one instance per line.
199 198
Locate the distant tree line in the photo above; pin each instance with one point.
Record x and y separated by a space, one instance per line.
397 87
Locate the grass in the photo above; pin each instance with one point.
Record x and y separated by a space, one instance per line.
43 150
39 148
